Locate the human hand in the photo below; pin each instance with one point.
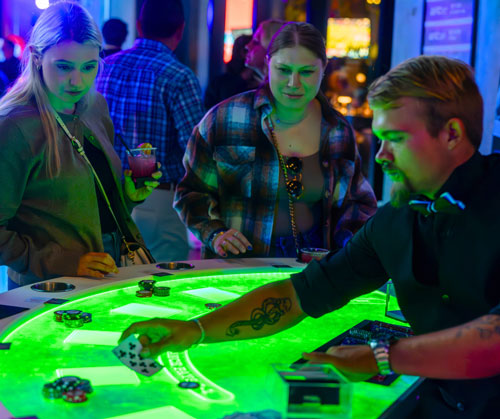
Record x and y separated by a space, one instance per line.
356 362
96 265
140 194
231 241
160 335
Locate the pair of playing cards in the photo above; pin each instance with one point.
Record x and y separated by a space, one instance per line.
128 352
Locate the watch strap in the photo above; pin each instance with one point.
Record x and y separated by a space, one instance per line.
380 348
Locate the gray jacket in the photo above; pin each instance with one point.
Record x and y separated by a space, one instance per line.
46 224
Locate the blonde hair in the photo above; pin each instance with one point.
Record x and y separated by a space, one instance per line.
61 21
444 86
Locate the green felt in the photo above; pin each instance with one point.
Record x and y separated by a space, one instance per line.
236 376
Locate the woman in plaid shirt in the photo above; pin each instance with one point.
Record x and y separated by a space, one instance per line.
265 158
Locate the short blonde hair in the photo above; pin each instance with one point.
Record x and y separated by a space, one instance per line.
444 86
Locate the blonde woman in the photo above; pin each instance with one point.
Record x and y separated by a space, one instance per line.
53 218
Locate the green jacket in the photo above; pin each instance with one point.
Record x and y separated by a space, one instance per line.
46 224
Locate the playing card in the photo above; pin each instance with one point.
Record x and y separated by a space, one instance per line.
128 352
148 367
56 301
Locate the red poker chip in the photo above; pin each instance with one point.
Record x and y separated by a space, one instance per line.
75 396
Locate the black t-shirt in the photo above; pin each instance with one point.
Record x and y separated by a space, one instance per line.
458 277
101 166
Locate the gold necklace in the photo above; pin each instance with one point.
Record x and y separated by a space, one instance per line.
291 206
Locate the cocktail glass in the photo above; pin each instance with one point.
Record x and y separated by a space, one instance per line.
312 253
142 162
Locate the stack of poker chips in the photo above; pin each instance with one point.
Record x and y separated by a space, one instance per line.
147 288
69 388
161 291
72 318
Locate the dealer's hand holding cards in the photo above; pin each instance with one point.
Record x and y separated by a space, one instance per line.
129 353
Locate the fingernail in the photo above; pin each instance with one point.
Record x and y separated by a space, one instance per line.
250 248
145 354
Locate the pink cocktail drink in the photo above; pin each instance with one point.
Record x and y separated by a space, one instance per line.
312 253
142 162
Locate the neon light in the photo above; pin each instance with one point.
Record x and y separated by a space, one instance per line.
42 4
348 38
180 368
238 21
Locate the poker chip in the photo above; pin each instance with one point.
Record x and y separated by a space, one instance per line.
360 334
73 313
51 391
189 384
74 319
161 291
75 396
67 383
71 388
147 284
85 386
212 306
144 293
58 315
87 317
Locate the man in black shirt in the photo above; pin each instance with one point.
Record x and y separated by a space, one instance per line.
437 240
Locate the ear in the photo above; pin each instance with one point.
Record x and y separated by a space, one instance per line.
139 29
180 32
453 132
37 59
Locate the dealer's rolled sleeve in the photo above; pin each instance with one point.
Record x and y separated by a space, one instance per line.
327 285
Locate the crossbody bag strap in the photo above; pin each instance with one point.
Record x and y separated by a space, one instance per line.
77 145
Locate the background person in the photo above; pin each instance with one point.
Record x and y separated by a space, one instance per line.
233 196
427 113
53 220
11 66
114 32
154 98
257 47
237 78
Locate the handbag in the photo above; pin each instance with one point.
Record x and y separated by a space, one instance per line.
132 252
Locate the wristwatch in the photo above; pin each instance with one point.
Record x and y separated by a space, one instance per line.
380 347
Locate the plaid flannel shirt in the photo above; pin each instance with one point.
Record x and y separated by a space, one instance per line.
232 173
152 98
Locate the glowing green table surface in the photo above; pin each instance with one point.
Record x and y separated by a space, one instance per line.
234 376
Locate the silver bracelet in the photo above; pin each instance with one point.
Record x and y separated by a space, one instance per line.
202 337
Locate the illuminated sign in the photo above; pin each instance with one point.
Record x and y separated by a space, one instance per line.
348 38
448 28
238 22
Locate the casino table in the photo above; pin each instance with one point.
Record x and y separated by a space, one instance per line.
233 376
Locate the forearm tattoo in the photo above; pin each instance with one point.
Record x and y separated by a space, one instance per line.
487 327
269 313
